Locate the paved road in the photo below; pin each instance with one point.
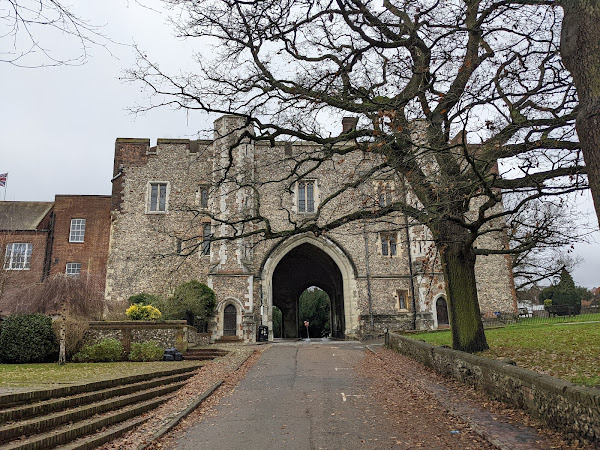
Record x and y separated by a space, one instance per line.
299 395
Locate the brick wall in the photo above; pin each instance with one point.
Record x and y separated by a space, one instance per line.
92 253
14 284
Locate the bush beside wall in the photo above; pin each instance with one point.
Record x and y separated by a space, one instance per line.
27 338
107 350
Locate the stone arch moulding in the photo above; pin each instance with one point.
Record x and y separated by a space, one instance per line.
337 254
221 309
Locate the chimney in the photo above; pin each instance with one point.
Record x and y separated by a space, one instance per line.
349 124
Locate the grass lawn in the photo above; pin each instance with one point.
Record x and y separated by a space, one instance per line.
43 375
567 351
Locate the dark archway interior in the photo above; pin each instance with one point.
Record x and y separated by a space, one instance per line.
305 266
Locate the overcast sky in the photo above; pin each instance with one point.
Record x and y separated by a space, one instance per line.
58 124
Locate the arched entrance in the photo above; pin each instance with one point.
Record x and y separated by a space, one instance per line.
302 262
441 309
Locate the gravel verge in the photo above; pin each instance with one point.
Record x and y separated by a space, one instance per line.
406 389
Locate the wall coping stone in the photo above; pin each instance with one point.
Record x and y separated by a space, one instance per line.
124 324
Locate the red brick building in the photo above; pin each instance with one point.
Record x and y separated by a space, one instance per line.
41 239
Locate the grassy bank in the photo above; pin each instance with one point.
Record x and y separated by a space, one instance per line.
563 350
42 375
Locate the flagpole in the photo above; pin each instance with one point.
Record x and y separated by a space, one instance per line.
5 179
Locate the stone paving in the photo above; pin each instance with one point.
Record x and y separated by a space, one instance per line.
319 394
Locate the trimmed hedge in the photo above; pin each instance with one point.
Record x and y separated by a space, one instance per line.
27 338
107 350
146 351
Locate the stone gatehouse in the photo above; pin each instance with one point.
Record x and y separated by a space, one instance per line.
176 206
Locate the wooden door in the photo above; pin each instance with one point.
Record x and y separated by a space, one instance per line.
229 321
442 311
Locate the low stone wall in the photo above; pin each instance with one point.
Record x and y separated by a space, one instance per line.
168 333
383 322
197 338
562 405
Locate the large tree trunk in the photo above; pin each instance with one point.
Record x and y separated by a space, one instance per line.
458 261
580 51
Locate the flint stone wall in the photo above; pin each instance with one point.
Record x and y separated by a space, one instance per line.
168 333
562 405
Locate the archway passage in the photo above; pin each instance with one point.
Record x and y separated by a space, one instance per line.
302 267
441 308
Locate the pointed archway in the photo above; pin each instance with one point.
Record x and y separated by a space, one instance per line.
299 263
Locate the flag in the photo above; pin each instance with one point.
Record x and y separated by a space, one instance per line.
3 179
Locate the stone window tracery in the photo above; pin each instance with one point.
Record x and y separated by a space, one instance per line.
389 244
158 193
306 196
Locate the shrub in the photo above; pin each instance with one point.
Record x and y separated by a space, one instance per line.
81 296
143 312
192 299
146 351
27 338
547 302
107 350
75 328
143 299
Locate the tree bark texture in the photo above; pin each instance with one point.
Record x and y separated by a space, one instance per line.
458 261
580 51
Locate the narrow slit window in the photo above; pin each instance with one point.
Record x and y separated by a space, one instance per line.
206 238
306 196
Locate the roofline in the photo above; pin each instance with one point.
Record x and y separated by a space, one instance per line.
82 195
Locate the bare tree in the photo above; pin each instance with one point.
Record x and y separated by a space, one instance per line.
463 104
552 252
28 26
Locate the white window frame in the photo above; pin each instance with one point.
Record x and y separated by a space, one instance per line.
12 257
302 202
73 269
149 205
388 244
77 230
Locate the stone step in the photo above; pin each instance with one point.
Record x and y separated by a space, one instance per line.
199 357
17 398
73 431
102 437
49 406
213 353
228 340
43 423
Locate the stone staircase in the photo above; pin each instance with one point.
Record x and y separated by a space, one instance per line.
71 417
229 340
203 354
